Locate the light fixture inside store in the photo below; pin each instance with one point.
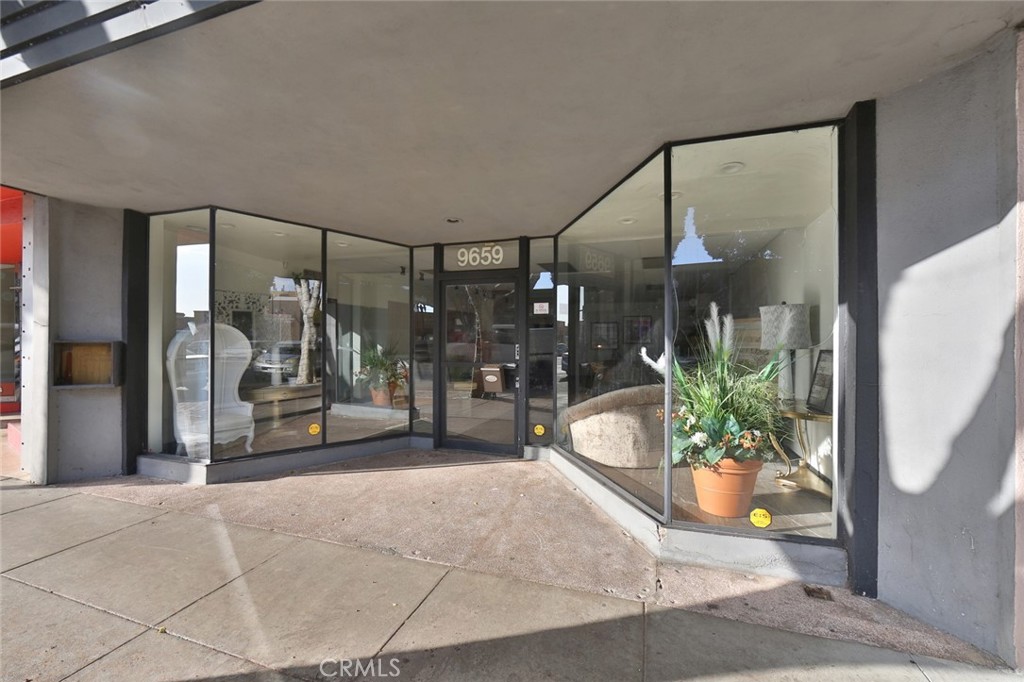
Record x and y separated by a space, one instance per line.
341 244
675 194
279 234
226 226
731 168
627 220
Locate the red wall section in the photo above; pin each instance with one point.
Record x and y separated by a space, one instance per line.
10 225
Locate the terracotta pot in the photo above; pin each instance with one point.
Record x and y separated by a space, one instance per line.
727 488
381 396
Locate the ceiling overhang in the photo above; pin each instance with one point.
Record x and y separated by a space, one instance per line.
384 119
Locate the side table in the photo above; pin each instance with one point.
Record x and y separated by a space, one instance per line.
804 478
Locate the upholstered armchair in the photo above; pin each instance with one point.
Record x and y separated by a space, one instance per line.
188 370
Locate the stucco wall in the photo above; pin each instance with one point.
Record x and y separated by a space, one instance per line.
85 304
946 239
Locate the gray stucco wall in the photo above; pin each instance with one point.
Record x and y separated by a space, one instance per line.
946 243
85 304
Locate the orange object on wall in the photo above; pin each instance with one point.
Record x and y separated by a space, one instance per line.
10 225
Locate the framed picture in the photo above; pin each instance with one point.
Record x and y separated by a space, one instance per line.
242 321
638 329
819 398
604 335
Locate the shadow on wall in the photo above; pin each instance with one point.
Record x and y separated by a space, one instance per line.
947 425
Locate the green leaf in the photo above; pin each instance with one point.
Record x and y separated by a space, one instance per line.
713 454
712 427
733 427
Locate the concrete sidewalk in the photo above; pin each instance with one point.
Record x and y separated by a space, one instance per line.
424 566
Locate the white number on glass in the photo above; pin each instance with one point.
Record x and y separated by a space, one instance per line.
593 262
479 255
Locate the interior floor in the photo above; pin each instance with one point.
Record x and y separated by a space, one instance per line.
794 511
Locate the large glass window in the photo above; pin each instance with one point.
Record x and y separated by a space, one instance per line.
424 340
310 345
367 329
543 354
613 271
268 369
179 306
754 227
753 237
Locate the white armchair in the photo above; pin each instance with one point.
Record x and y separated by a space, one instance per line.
188 370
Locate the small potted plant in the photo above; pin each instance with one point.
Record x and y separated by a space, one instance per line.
383 372
725 420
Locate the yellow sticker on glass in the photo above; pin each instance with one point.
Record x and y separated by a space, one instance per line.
314 429
762 518
539 430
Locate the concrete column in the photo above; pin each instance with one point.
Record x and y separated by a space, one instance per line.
36 340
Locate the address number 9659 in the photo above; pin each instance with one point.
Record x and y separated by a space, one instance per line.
476 256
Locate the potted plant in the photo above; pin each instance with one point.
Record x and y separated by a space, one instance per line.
384 372
724 421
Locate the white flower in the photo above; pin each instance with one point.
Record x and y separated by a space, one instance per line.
700 439
690 421
757 434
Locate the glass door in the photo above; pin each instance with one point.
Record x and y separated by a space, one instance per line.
480 365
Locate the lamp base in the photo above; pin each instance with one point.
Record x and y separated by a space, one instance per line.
786 396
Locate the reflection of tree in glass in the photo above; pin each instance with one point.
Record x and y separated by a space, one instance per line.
482 301
308 291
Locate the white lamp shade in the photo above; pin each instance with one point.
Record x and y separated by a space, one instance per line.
785 327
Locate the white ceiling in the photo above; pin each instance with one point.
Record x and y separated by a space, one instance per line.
384 118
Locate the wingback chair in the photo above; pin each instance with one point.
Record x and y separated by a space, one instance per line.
187 368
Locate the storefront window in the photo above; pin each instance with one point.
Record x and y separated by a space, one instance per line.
367 329
424 341
754 241
614 276
543 354
268 369
310 345
754 228
179 308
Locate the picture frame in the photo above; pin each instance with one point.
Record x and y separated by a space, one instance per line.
638 329
243 322
819 397
604 335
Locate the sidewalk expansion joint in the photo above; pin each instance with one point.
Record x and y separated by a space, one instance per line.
55 593
38 504
83 542
411 613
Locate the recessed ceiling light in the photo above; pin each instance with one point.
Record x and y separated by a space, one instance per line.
731 168
279 234
453 221
226 226
627 220
675 194
342 244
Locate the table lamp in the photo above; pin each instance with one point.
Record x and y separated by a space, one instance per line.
785 327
